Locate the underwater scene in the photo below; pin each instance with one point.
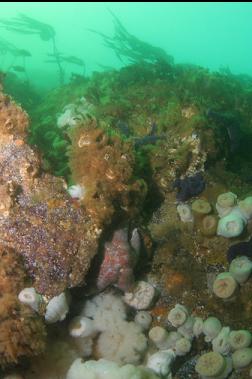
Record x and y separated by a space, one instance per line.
125 190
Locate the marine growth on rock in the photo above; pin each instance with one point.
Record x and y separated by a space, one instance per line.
189 186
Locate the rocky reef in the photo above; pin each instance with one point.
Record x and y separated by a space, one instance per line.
46 240
146 170
22 332
103 167
56 238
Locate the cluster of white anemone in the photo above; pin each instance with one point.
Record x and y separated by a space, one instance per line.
56 309
227 283
123 345
233 214
230 349
117 339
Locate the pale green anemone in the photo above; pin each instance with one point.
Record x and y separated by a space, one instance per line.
240 339
242 357
221 343
211 328
178 315
227 199
201 207
231 225
246 207
241 268
225 285
213 365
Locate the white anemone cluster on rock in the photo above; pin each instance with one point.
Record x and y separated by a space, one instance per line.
123 345
171 344
230 350
233 216
119 340
103 369
56 308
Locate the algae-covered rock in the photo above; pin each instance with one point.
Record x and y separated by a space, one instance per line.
56 238
22 332
145 138
104 165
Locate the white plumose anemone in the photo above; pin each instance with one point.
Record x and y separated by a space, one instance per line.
82 327
185 213
104 369
161 362
57 308
178 315
76 191
30 297
144 319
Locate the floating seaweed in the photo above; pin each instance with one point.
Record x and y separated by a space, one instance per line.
67 59
126 45
30 26
9 48
18 68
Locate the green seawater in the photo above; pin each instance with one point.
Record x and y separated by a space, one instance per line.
214 35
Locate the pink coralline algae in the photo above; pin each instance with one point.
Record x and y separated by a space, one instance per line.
120 257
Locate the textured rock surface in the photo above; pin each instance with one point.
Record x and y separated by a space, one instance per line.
22 333
104 166
56 238
38 219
